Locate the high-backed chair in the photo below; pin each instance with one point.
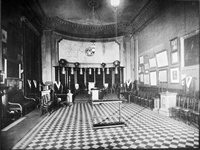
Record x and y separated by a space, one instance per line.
176 109
194 115
184 111
45 102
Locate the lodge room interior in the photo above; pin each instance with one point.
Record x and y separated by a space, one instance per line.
99 74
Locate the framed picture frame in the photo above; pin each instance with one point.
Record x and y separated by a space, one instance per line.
139 69
141 60
153 78
146 66
146 79
162 59
174 57
152 63
4 36
190 50
174 44
162 75
141 77
2 78
174 75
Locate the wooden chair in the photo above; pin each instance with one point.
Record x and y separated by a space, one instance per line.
45 103
194 114
176 109
184 111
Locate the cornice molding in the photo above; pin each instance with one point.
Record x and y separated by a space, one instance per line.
148 13
84 31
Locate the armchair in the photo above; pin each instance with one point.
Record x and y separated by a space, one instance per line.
21 103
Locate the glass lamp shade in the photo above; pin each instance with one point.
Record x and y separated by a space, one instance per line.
115 3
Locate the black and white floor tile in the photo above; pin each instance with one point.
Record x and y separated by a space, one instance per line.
71 127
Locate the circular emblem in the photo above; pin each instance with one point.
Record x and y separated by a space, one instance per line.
90 51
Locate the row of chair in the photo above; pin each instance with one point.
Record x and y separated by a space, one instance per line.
187 109
143 98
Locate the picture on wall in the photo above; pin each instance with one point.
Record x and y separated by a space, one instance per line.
174 75
190 49
146 66
174 57
162 76
174 44
152 62
4 36
146 79
139 69
162 59
2 78
142 77
141 59
153 78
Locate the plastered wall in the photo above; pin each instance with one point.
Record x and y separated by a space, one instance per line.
180 19
74 51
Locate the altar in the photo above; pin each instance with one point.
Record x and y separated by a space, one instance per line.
168 100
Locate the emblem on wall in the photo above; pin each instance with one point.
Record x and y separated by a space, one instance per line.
90 51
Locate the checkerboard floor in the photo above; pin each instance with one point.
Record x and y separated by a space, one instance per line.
72 128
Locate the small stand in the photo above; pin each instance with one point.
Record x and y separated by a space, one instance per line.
69 98
106 125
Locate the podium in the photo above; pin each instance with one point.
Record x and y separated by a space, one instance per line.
90 86
95 94
168 100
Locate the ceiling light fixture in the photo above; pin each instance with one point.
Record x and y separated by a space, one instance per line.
90 51
115 4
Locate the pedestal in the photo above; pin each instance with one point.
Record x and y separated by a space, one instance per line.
90 86
156 104
69 97
95 94
168 100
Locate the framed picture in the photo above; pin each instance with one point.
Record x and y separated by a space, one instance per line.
153 78
142 68
152 63
146 66
190 49
162 59
142 77
139 69
174 75
2 78
146 79
4 36
141 59
162 75
174 57
174 44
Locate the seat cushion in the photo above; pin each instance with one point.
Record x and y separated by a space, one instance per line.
17 98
